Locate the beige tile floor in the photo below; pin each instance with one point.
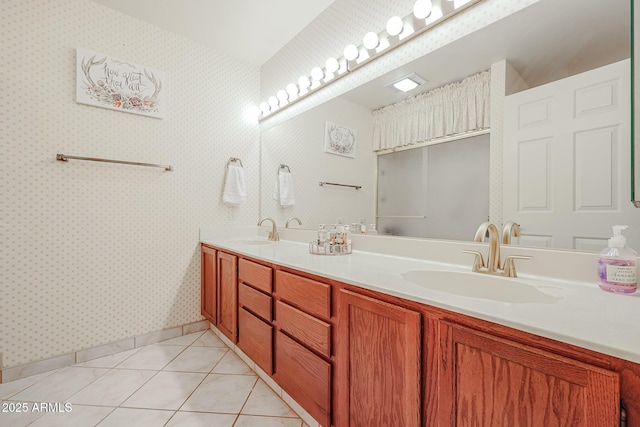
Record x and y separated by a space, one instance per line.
193 380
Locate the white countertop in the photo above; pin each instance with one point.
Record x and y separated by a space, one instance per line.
570 311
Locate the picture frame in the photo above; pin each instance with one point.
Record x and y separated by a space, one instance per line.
102 81
340 140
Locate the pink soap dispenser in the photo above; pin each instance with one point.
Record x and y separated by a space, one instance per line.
617 265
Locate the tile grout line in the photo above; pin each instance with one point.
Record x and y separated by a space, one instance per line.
74 354
111 369
223 338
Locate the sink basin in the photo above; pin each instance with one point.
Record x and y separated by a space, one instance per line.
477 285
254 242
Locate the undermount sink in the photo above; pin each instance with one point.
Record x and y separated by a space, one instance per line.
254 242
477 285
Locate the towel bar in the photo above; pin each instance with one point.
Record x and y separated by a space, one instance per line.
321 184
66 158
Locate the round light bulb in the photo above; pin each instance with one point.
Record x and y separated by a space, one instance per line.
264 107
282 96
370 40
317 74
422 9
395 26
304 82
332 65
351 52
292 89
273 101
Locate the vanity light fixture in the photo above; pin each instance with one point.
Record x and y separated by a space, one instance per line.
292 90
425 15
371 40
395 26
273 102
316 75
304 83
283 96
459 3
332 65
422 9
351 52
407 83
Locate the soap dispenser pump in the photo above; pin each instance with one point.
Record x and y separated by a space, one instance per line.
617 265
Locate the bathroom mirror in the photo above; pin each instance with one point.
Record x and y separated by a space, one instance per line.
545 42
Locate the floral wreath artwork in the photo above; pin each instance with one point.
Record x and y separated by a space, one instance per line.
340 140
118 85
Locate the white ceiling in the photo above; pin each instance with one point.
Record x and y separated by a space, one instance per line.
250 30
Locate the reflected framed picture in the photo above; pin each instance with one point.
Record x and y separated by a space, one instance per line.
340 140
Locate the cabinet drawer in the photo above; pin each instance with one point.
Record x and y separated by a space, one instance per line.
312 332
311 296
305 377
255 338
256 275
255 301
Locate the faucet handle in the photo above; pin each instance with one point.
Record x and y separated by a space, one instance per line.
509 266
478 262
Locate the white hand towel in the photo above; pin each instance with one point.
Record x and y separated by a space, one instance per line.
283 189
235 191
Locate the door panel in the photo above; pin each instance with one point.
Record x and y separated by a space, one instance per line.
565 177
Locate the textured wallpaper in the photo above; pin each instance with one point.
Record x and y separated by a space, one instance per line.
299 143
92 253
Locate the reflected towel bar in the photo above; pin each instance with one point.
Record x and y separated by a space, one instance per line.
357 187
66 158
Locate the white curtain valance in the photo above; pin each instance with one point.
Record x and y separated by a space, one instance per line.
451 109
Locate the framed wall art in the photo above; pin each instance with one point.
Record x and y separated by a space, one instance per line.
340 140
120 85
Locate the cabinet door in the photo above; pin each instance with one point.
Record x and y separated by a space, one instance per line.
256 275
305 377
488 381
309 295
312 332
378 365
255 338
208 284
227 295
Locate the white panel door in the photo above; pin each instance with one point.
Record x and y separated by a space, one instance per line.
566 160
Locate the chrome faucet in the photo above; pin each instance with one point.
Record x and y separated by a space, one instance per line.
493 258
273 234
510 229
293 218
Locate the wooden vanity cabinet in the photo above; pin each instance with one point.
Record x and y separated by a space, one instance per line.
255 313
227 295
490 381
208 284
378 363
302 351
394 362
